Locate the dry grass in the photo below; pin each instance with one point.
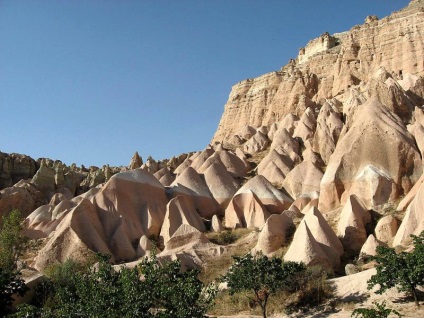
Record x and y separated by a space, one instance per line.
215 266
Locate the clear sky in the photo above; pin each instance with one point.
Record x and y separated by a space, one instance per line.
92 81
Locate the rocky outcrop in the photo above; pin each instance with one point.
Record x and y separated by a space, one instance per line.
190 183
331 66
370 246
23 196
136 161
179 210
314 242
15 167
131 204
413 221
351 228
386 229
378 168
273 234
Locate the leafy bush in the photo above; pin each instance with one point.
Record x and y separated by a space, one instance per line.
148 290
379 312
403 270
262 276
11 247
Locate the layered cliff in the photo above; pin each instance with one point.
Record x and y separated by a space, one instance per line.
331 66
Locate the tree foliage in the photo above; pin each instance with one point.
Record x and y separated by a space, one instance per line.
402 270
380 311
148 290
12 244
261 275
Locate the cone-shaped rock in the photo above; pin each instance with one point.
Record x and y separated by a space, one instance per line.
273 199
351 226
246 210
259 142
136 161
78 234
164 176
304 178
232 163
186 163
135 197
370 246
201 158
275 166
322 231
180 210
304 248
283 139
273 234
306 126
190 183
220 183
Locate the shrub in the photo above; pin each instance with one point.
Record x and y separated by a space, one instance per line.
262 276
403 270
310 288
379 312
12 244
164 291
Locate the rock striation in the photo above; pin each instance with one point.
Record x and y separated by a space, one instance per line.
331 66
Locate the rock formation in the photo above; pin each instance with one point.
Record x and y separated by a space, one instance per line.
331 66
273 234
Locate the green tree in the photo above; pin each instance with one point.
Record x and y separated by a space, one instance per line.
261 275
403 270
12 244
148 290
380 311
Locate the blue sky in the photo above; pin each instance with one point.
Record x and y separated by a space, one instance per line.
92 81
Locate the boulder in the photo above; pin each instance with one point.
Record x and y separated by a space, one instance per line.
216 224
